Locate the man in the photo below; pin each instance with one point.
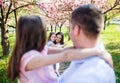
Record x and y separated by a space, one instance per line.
86 25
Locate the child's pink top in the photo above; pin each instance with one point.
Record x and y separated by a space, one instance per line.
44 74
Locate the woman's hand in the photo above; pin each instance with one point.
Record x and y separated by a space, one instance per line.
106 56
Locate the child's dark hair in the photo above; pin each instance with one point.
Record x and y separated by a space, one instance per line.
30 35
89 18
50 34
62 39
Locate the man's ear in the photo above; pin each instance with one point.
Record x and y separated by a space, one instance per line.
76 30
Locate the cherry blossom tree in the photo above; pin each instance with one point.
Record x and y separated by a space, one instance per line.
1 2
58 11
112 9
8 7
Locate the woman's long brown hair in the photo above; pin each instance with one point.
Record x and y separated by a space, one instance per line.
30 35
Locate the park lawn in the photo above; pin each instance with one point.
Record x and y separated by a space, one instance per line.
110 37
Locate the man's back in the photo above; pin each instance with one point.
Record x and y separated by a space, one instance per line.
90 70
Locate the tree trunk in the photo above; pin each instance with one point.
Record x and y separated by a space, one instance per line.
15 14
105 20
4 35
61 27
55 28
5 40
68 37
51 27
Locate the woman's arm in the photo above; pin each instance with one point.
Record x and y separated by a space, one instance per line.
67 55
52 50
88 53
44 60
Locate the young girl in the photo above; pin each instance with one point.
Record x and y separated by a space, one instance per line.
59 42
56 40
29 62
51 39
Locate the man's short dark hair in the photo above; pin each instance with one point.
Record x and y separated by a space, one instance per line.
89 18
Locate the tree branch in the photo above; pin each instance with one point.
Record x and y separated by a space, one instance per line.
22 7
7 14
11 26
117 9
115 5
2 17
109 9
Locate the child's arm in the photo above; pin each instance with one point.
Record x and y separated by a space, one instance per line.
67 55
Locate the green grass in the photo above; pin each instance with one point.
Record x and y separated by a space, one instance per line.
110 37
